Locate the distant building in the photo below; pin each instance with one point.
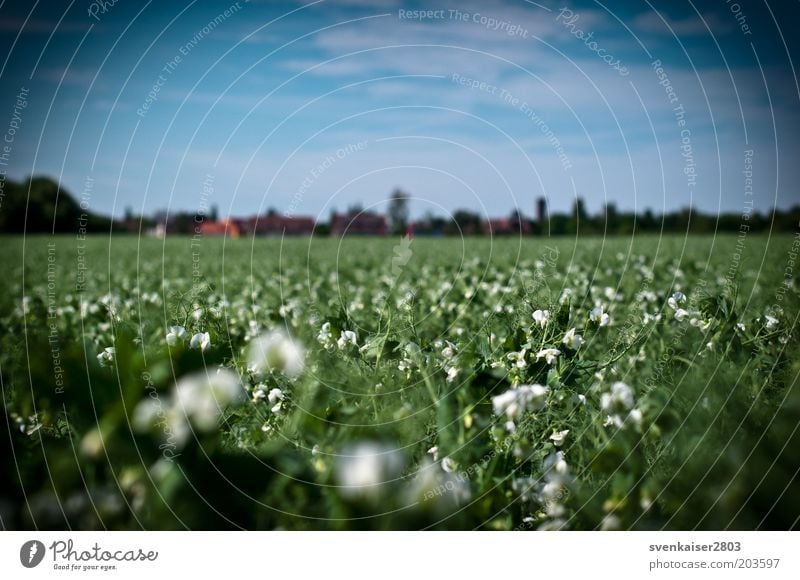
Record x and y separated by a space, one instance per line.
541 211
247 226
505 227
363 223
164 224
276 225
224 227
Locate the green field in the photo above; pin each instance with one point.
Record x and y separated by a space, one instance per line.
620 383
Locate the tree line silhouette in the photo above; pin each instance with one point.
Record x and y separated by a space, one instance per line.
41 205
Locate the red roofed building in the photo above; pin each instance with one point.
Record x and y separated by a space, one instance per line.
363 223
225 227
276 225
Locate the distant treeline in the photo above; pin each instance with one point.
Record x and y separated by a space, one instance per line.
40 205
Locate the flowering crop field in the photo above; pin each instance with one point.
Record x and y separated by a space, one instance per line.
644 383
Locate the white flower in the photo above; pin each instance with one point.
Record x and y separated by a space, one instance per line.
106 357
620 396
347 337
449 351
203 396
92 444
518 358
176 428
610 523
276 398
362 468
412 349
772 322
514 402
275 352
201 340
559 437
176 335
676 300
579 399
681 314
434 452
449 465
171 421
146 414
740 326
435 488
548 354
635 417
600 317
572 340
325 336
554 466
701 324
541 317
452 373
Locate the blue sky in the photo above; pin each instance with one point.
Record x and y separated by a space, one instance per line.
307 107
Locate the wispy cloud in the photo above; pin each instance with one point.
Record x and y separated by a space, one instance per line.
696 25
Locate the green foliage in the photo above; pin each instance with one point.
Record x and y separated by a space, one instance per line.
447 407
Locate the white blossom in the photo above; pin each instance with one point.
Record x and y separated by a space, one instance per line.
635 417
146 414
681 314
559 437
276 352
599 316
204 395
703 325
325 336
363 468
347 337
201 340
572 340
276 398
449 465
620 397
550 355
610 523
541 317
452 373
676 300
176 335
517 400
449 351
518 358
106 357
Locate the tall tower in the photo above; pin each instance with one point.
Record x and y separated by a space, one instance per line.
541 211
